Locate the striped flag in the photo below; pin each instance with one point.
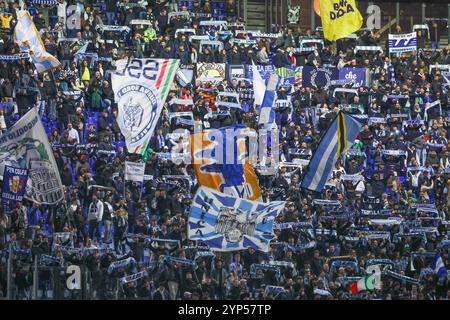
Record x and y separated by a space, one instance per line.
27 37
220 161
267 113
337 139
141 87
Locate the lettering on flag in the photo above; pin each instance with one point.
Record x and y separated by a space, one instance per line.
25 145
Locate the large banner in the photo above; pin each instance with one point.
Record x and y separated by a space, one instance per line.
141 87
219 167
356 75
314 77
399 43
371 205
27 37
210 72
227 223
264 71
14 183
25 145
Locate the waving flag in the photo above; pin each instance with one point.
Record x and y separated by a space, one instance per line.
220 162
141 87
259 85
339 18
25 146
27 37
267 113
227 223
337 139
364 284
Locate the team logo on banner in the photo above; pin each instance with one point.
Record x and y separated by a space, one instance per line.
314 77
14 183
227 223
25 146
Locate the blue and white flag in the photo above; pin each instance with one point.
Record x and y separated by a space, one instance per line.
14 183
259 85
337 139
438 266
399 43
267 113
27 37
227 223
141 87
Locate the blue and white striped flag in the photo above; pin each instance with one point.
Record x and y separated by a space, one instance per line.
399 43
227 223
438 266
337 139
27 37
267 112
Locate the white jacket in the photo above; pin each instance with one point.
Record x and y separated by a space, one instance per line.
95 211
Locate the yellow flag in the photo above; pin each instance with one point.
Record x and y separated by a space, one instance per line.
339 18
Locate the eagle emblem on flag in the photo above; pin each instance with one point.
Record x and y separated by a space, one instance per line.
227 223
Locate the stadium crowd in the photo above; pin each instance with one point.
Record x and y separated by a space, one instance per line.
387 202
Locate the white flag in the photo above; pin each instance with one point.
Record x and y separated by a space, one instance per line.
25 145
134 171
259 85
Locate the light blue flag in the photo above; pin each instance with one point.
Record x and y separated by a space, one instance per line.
267 112
227 223
337 139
